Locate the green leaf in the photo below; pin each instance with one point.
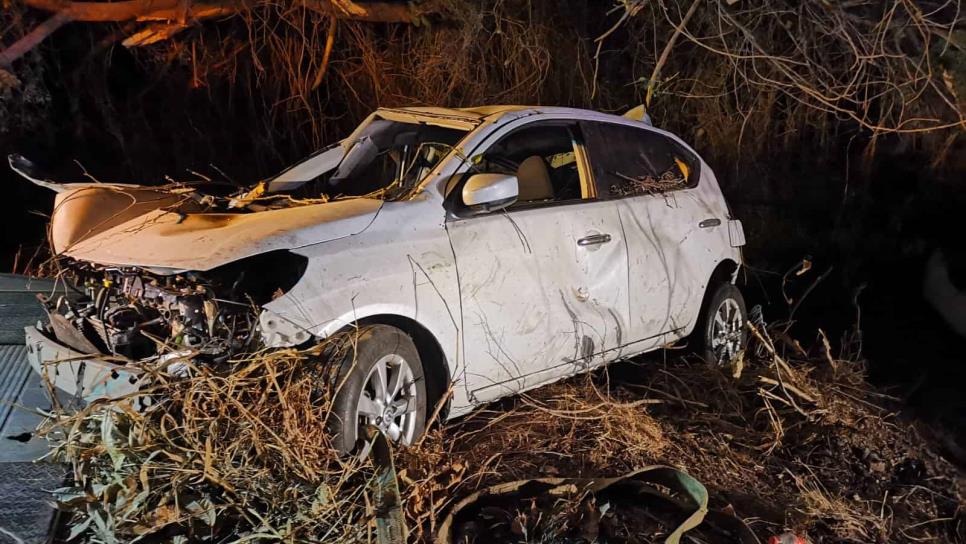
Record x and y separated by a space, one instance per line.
76 530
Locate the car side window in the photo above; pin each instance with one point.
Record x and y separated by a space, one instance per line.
631 161
543 157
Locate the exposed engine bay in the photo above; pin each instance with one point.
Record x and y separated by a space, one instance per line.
135 314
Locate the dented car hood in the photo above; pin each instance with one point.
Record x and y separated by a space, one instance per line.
140 226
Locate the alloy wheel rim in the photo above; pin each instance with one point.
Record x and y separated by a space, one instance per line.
388 401
726 331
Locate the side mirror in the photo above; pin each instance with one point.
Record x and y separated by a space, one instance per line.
487 192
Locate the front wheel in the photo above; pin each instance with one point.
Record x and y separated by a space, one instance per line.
381 385
722 327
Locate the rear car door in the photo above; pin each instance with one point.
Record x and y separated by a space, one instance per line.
543 283
673 225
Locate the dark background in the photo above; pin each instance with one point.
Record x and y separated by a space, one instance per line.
222 103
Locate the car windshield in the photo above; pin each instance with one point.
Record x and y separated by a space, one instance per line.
386 161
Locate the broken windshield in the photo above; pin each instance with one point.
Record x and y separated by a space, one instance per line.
386 161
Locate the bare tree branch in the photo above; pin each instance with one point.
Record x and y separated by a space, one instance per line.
32 39
125 10
103 11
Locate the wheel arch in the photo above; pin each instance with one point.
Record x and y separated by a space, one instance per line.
431 354
725 271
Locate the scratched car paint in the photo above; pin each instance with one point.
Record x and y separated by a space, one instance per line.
506 247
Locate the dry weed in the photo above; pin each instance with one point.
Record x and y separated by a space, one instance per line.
236 450
240 452
849 519
799 441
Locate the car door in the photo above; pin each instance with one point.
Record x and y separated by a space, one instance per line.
543 283
670 223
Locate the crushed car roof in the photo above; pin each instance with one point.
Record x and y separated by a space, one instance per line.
470 117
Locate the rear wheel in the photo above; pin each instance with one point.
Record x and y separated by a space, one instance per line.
382 386
722 332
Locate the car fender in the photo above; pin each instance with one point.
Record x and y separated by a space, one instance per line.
402 265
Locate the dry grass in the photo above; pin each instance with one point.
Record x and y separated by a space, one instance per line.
238 450
848 520
797 440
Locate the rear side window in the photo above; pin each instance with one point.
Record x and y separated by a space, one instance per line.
630 161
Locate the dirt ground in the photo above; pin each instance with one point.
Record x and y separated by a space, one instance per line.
792 438
802 445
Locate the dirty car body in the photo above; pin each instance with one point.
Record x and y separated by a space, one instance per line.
515 245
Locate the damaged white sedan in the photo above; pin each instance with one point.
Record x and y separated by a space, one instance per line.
482 252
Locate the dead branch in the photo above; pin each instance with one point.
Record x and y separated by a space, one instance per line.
376 12
326 54
656 73
105 11
373 12
788 387
32 39
153 33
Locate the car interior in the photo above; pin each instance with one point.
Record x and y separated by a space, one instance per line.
544 160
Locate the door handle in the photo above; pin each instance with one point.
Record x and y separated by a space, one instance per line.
593 240
708 223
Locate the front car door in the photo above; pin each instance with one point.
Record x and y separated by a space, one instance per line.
543 283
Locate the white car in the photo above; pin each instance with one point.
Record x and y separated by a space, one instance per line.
481 251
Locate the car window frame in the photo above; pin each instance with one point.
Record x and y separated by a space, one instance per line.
453 196
694 161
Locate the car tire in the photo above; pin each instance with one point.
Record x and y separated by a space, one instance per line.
377 359
721 332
